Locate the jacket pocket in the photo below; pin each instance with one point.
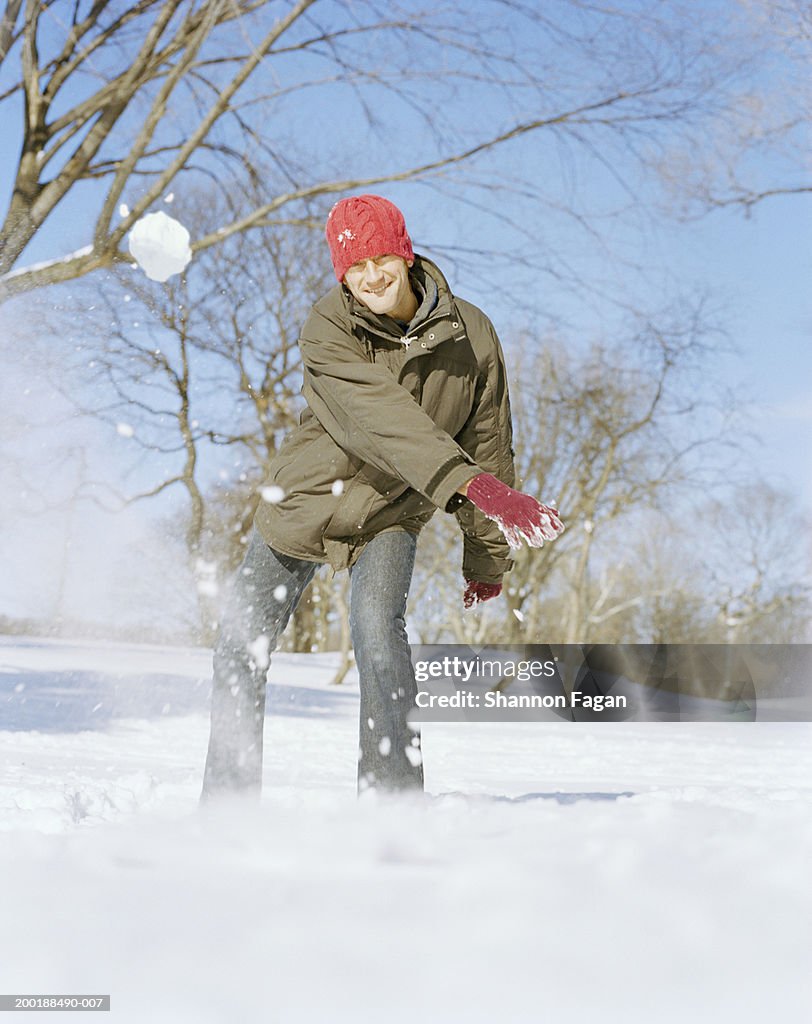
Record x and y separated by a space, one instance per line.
368 492
353 509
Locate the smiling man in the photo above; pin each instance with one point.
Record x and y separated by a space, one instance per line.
407 413
383 286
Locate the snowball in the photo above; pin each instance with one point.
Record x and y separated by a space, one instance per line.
413 756
160 244
169 197
280 592
206 573
338 487
124 429
385 746
124 210
260 651
273 495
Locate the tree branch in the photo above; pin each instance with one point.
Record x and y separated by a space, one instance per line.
7 27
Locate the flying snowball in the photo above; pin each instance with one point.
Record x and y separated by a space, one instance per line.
259 650
413 756
206 573
160 244
124 429
273 494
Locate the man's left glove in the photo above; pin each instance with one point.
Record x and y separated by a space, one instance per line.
518 515
477 592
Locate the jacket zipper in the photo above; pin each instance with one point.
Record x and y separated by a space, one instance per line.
410 338
404 341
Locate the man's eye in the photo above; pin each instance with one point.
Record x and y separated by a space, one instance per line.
359 268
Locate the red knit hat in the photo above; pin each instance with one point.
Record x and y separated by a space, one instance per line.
364 227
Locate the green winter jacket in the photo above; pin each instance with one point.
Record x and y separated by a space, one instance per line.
401 420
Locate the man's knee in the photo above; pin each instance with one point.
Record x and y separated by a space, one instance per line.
374 628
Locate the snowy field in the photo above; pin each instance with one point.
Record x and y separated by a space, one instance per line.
525 889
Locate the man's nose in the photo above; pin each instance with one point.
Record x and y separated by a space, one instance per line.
372 270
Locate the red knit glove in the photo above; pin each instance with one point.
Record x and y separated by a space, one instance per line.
519 516
476 592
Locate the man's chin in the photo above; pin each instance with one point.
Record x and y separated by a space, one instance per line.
381 306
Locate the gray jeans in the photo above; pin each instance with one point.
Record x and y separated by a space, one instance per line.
264 594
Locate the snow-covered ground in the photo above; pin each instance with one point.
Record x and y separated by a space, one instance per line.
525 889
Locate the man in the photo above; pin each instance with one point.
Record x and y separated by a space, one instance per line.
407 412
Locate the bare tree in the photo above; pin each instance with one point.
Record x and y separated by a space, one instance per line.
605 435
742 575
122 102
759 566
135 98
756 147
203 378
614 432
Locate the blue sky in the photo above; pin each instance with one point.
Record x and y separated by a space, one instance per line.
756 269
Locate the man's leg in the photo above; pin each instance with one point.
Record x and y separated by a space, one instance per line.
389 754
264 593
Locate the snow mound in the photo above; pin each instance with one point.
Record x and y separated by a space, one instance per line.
80 799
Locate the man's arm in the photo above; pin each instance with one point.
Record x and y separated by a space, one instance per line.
370 415
487 437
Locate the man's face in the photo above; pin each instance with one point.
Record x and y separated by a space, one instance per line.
381 284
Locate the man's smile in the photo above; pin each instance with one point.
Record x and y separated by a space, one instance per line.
379 289
382 284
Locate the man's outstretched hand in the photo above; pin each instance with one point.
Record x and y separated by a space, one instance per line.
476 593
518 515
